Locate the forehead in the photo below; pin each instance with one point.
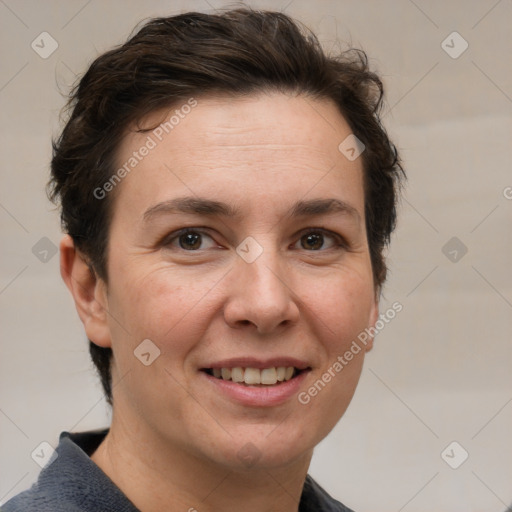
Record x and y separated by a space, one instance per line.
260 146
297 119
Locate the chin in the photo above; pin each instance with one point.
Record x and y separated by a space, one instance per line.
271 447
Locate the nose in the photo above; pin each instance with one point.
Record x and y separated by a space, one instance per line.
261 296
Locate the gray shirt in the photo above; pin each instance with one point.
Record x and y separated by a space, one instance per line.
72 482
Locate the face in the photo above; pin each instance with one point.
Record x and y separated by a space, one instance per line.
238 241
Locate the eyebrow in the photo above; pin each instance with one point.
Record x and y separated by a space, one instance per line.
194 205
323 207
211 208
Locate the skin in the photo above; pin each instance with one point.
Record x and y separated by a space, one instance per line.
173 441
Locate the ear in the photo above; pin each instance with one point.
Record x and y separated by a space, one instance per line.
88 290
372 320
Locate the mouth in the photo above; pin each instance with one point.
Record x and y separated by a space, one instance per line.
254 382
256 377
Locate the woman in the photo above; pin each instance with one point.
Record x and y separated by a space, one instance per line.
227 192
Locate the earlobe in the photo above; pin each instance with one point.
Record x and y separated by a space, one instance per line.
88 291
372 320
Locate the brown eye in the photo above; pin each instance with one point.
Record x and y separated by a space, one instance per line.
190 241
320 240
312 241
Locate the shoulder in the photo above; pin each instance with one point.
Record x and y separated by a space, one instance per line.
46 493
315 499
37 499
71 482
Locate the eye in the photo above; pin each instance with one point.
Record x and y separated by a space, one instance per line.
190 240
318 239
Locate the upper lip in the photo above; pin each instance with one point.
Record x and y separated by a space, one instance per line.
253 362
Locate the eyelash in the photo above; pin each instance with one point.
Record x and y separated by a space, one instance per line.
176 235
338 240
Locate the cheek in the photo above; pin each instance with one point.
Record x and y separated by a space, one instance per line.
168 307
342 308
156 306
341 311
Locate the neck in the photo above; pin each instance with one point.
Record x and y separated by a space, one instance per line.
159 478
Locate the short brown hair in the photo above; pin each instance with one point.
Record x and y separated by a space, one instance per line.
237 52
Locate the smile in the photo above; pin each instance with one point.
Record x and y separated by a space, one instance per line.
255 376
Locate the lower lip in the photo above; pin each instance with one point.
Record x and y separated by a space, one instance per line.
258 396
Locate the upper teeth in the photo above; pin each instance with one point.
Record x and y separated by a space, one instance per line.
255 375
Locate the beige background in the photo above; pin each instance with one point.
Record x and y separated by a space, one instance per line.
440 371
